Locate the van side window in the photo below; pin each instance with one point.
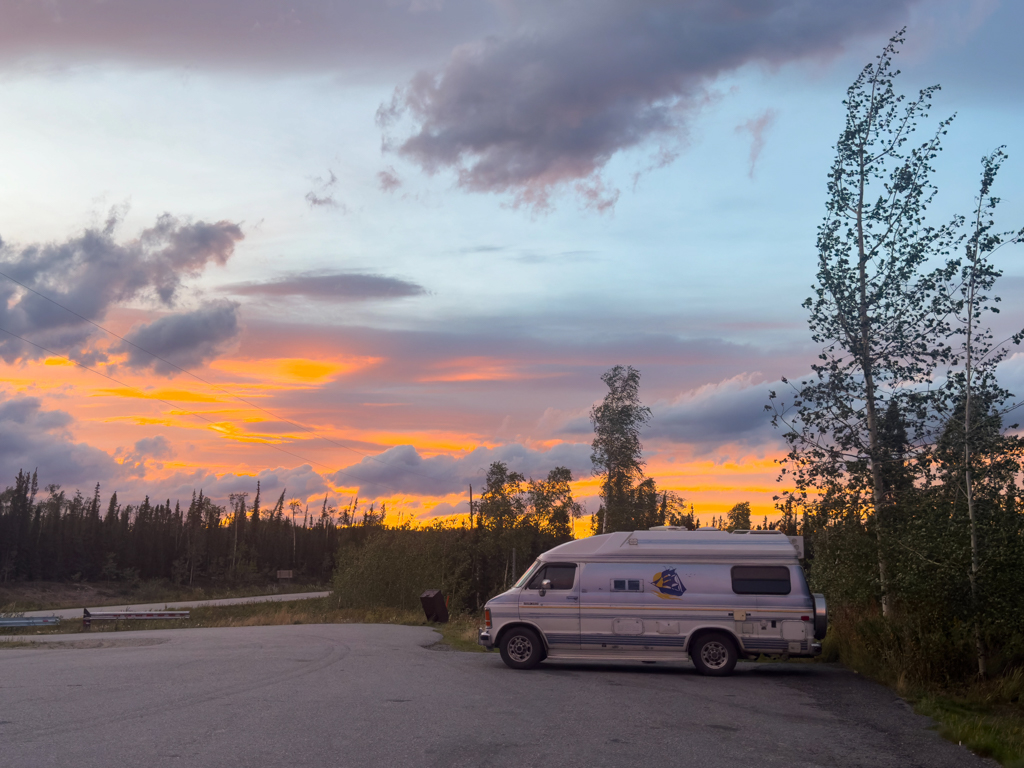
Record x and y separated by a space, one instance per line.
760 580
627 585
562 575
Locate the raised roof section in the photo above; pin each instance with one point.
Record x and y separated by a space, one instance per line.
705 545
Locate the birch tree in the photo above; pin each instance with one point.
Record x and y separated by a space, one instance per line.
981 400
879 310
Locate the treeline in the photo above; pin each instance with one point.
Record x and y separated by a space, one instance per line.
63 537
470 560
69 538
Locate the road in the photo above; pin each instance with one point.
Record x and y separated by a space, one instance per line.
353 695
76 613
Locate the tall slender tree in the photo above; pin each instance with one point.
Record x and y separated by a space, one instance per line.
617 453
880 311
973 386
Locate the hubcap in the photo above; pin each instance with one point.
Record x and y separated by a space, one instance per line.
520 648
714 655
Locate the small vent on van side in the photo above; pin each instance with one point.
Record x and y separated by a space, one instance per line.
627 585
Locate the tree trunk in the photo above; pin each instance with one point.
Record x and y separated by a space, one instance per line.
867 366
979 644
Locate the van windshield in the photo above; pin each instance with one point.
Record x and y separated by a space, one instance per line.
525 577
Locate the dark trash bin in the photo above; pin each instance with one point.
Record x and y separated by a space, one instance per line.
434 606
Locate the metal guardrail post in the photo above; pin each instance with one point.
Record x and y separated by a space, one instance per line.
86 622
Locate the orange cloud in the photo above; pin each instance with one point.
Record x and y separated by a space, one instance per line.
295 370
234 432
479 369
181 395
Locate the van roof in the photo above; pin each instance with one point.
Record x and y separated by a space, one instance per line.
664 542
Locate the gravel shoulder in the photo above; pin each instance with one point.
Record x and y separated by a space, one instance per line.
76 613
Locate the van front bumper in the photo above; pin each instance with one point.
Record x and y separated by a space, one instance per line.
484 639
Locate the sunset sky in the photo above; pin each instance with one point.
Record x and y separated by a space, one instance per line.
397 241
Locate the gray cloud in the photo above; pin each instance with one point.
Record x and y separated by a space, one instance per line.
38 439
300 482
388 180
403 470
93 271
245 34
350 286
731 411
186 339
757 127
156 447
322 196
549 103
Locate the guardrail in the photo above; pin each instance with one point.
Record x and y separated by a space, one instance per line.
30 621
89 617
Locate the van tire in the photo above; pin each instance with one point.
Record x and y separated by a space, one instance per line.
714 654
521 648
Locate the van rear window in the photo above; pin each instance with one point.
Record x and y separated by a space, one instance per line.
760 580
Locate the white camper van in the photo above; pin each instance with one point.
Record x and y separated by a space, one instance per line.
666 594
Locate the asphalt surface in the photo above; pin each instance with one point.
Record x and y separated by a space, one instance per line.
76 613
353 695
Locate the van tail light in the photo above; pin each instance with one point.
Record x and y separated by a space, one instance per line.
805 618
487 618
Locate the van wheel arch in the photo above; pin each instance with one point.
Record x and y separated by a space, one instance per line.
695 636
513 625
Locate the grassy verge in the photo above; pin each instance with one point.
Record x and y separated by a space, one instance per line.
986 716
458 634
44 596
990 730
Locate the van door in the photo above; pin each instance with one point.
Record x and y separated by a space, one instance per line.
633 608
556 609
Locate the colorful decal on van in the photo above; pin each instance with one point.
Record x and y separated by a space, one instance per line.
668 585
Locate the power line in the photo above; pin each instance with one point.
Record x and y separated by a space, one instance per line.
168 402
208 383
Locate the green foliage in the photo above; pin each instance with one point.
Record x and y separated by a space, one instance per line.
514 521
739 517
906 486
618 454
996 732
392 568
553 505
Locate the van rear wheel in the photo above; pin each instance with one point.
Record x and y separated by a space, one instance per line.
521 648
714 654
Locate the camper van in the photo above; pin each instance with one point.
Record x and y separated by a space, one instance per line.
666 594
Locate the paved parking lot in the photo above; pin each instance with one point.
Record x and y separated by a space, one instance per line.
345 695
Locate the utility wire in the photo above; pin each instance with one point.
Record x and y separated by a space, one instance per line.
168 402
208 383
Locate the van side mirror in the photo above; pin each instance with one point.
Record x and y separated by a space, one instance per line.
545 586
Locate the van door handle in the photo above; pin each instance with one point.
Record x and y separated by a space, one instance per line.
572 597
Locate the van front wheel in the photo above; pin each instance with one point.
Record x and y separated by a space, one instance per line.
521 648
714 654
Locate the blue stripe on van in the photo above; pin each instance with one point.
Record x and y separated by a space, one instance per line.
560 639
769 644
635 640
